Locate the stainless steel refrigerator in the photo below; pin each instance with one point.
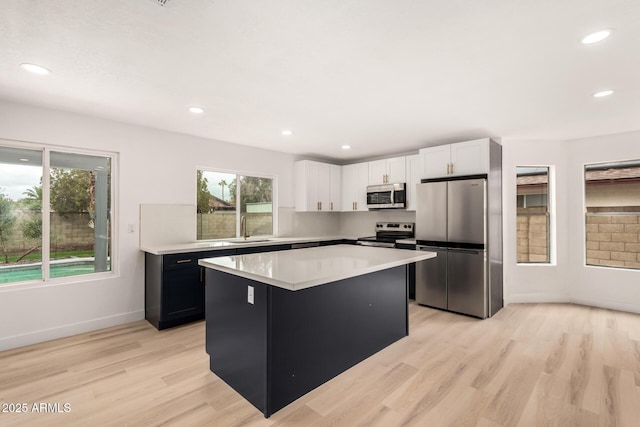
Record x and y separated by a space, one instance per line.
452 219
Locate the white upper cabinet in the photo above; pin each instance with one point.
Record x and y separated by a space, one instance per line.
436 161
317 186
463 158
413 170
335 193
355 179
387 171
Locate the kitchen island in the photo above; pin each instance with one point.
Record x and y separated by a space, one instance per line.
279 324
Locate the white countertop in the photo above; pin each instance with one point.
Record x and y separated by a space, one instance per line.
234 243
303 268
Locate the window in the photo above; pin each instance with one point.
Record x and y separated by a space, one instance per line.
55 216
533 215
612 214
231 205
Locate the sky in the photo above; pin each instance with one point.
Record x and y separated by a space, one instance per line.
16 179
213 179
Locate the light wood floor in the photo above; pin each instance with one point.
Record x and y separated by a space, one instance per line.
530 365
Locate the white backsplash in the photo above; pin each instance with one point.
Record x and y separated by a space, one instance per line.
364 223
358 224
292 223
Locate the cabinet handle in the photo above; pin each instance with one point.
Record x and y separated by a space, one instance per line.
201 270
448 167
451 168
331 205
356 205
320 205
182 261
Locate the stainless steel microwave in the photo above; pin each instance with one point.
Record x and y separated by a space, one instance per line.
387 196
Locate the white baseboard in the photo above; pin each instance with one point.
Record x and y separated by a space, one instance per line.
7 343
560 298
536 298
612 305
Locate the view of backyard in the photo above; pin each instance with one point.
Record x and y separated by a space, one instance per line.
76 217
218 212
612 214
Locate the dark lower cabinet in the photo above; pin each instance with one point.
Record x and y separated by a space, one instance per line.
337 242
174 284
174 287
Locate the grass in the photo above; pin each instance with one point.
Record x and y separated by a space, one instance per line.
37 255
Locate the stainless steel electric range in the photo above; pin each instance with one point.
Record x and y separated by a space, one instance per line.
387 233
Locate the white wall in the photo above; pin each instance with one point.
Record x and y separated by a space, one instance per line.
155 167
598 286
568 279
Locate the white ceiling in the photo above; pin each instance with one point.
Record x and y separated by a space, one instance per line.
384 76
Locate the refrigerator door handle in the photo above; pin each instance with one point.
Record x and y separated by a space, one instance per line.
467 251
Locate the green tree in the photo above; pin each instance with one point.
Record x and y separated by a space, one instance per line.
203 194
7 223
33 198
253 190
70 190
32 226
222 184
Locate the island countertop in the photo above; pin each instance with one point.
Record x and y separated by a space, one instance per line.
303 268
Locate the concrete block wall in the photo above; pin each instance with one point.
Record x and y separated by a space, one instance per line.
222 224
70 231
613 240
532 235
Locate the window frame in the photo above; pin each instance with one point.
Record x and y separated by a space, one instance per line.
551 216
238 213
46 150
586 214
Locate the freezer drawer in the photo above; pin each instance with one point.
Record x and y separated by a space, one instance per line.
431 279
467 284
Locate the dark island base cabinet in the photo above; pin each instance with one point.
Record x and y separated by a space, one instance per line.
287 343
174 284
411 270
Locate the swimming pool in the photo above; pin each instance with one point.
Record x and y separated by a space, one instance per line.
59 268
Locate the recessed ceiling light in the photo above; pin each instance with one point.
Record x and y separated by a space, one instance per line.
596 37
346 147
602 94
196 110
24 160
287 132
35 69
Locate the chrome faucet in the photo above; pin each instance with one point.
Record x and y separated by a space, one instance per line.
243 227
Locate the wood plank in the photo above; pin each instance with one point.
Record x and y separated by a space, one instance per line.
537 364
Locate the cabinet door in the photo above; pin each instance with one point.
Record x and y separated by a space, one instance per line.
182 293
377 172
396 170
470 158
306 186
435 161
324 187
362 180
335 177
413 178
348 188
